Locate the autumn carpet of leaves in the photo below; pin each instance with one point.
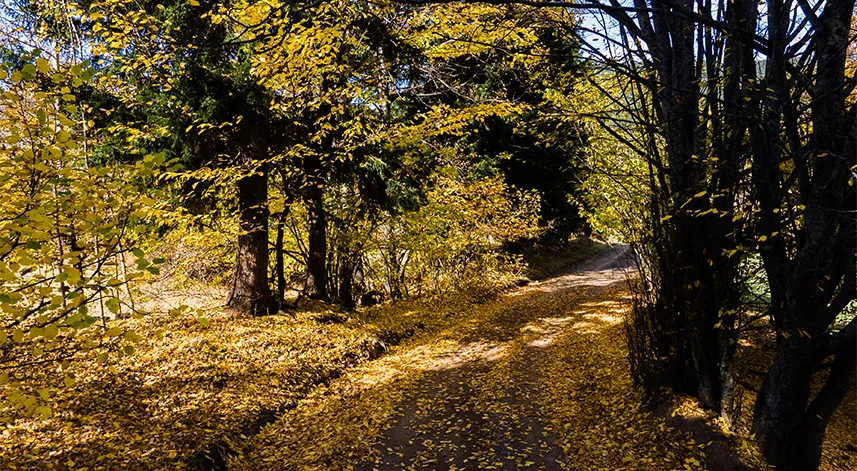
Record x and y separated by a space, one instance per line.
535 378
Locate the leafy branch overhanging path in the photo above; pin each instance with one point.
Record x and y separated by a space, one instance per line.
535 379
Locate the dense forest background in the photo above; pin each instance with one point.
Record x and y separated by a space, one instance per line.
288 157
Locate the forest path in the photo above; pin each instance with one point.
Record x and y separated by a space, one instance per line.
482 411
536 378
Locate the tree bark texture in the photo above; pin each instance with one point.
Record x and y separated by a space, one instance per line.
250 292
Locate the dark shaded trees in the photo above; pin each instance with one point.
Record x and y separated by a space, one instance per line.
227 126
757 160
316 284
536 147
808 220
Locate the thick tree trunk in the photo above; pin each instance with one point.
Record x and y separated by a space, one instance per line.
838 384
707 390
790 432
727 380
250 292
782 401
316 285
790 429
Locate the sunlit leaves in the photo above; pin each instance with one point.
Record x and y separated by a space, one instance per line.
453 30
453 239
65 226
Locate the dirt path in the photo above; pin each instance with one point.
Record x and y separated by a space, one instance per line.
483 413
534 379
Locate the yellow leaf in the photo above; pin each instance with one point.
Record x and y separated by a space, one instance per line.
43 65
114 332
44 411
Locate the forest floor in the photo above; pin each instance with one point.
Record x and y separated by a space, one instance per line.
533 378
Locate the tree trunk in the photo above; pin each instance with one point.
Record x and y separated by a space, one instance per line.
817 416
316 285
727 371
346 280
279 263
250 292
790 433
782 400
